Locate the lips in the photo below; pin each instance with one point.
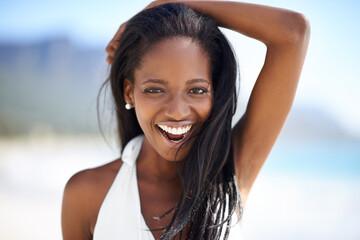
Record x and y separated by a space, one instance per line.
175 134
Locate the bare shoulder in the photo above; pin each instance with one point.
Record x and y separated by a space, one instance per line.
87 180
83 196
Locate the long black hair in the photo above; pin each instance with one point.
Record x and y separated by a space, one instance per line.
209 194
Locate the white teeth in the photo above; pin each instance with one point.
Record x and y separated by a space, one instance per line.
175 131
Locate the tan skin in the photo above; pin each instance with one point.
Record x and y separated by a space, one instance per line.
171 86
286 36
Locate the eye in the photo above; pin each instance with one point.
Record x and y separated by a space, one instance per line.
198 91
153 90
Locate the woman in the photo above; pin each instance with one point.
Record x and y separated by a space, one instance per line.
173 81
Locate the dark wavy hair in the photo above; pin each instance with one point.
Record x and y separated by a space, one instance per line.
209 194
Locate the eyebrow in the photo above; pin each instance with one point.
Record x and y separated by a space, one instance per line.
191 81
161 81
197 80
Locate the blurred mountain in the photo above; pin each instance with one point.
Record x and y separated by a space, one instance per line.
53 85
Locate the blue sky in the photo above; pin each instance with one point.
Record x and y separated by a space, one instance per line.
330 79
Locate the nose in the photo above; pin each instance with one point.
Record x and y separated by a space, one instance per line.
177 108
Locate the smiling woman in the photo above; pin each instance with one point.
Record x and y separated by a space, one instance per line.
172 95
183 168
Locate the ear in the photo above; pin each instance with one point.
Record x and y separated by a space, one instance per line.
128 92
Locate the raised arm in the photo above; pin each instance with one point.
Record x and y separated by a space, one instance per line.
286 35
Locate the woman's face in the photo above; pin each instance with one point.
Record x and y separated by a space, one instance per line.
172 95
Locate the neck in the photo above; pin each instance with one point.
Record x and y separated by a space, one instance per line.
155 168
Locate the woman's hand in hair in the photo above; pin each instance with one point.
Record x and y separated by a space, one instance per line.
114 43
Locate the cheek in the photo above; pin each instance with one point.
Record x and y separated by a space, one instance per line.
204 107
143 111
146 110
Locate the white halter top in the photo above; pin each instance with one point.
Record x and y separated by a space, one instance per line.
120 214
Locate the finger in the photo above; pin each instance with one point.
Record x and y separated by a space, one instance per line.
111 52
113 45
110 49
109 60
158 3
119 32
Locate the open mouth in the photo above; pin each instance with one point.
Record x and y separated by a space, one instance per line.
174 134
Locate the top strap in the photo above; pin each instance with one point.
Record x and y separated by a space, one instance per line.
132 150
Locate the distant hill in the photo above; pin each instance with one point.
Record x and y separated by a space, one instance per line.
53 85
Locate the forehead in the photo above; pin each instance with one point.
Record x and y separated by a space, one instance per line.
174 59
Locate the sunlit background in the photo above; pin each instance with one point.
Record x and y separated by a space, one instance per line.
52 64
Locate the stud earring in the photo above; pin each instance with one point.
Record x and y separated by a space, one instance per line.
128 106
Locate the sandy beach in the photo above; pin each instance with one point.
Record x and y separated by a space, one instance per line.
33 173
